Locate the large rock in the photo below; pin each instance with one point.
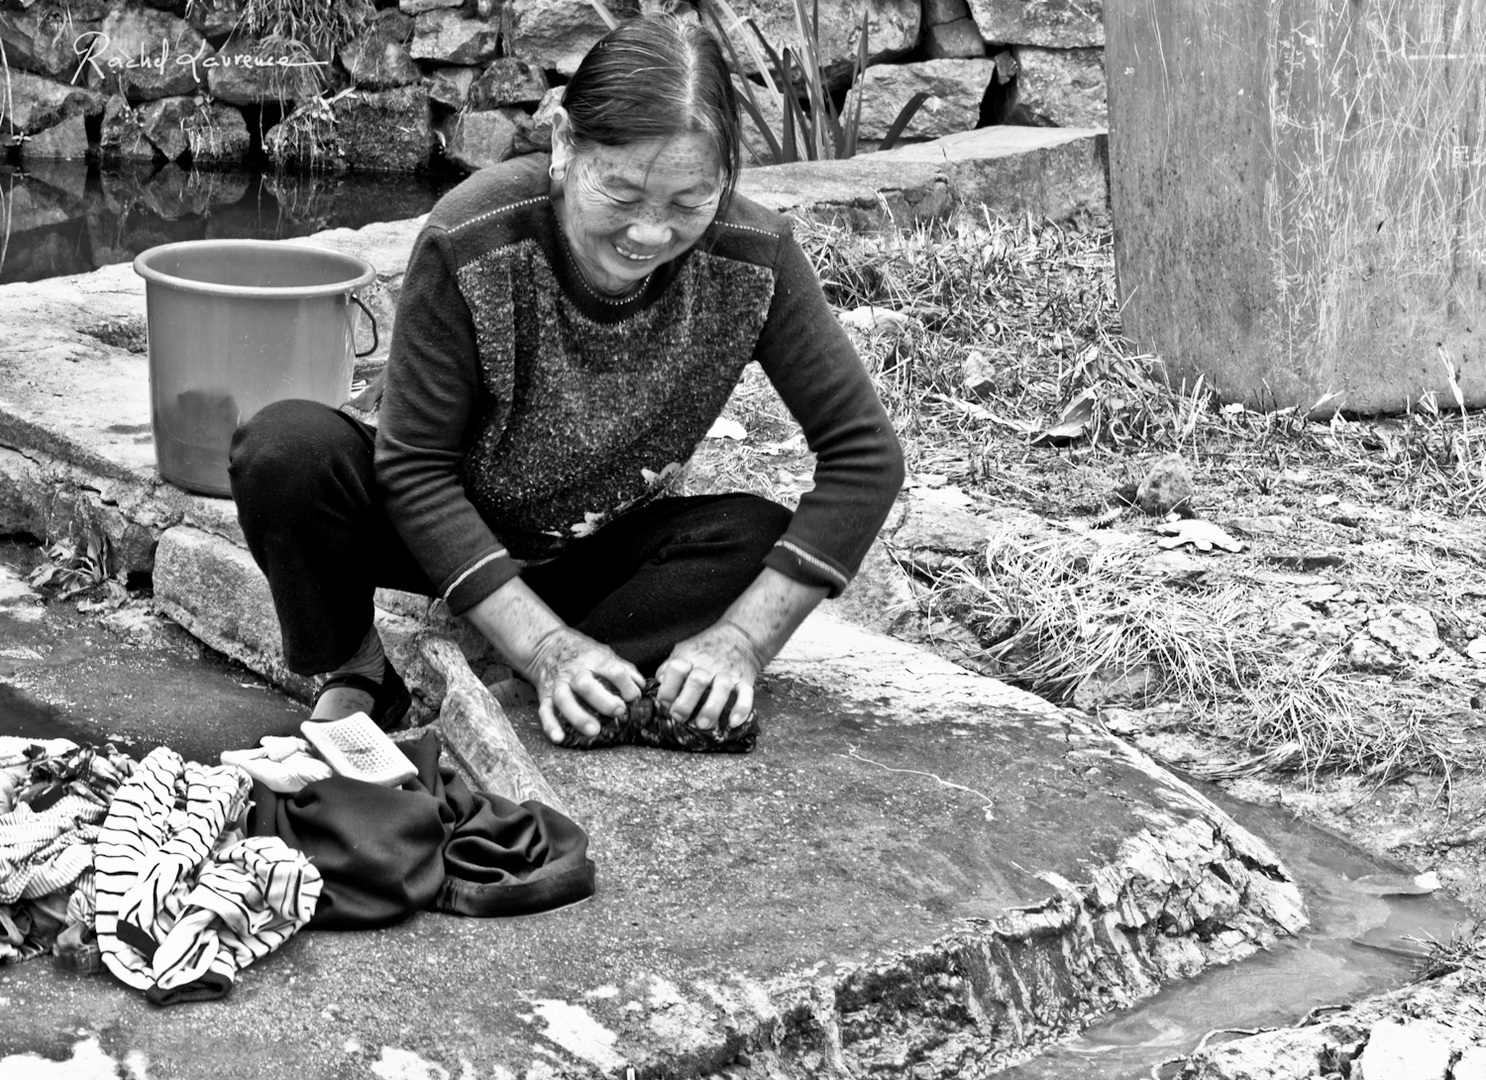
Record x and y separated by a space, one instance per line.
958 40
1015 171
122 136
937 12
955 89
386 131
146 54
477 140
165 123
379 58
446 37
43 40
1061 88
450 86
892 30
215 18
217 135
37 104
1059 24
508 81
66 141
553 33
249 72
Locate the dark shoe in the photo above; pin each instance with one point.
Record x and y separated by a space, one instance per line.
390 697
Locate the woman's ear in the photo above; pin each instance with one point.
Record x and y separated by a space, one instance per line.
562 144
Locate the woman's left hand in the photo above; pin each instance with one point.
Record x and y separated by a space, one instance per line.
702 672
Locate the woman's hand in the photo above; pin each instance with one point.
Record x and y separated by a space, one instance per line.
704 671
569 670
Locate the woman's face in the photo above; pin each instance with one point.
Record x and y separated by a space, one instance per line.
627 209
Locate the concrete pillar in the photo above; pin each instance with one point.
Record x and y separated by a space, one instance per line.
1299 195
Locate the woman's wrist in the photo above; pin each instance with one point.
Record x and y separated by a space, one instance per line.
516 621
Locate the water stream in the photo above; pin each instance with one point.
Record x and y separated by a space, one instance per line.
1359 943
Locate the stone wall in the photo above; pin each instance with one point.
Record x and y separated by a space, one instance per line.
408 84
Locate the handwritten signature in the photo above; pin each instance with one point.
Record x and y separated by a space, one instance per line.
92 46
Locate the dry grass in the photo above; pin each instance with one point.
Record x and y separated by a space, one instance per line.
1396 496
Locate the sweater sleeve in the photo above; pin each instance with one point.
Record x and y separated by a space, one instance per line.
431 407
859 463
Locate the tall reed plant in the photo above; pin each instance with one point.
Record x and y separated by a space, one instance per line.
812 130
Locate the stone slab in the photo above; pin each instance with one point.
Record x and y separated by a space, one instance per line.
1046 172
918 864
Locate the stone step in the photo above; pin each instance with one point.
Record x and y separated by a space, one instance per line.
1012 171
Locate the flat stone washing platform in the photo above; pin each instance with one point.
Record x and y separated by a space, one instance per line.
920 871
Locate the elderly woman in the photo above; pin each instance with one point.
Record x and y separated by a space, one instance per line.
570 326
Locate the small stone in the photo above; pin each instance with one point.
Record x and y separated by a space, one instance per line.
1416 1050
1408 631
977 376
1365 654
1166 488
1294 619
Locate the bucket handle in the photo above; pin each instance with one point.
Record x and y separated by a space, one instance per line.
367 311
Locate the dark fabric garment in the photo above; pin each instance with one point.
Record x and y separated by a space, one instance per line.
212 986
385 853
314 522
519 410
647 723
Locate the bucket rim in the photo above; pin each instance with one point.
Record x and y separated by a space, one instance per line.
360 272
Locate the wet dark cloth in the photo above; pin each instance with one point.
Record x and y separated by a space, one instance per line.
647 723
304 481
385 853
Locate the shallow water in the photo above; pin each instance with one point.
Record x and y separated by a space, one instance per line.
63 217
1358 944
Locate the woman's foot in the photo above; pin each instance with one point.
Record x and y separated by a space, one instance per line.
385 700
364 683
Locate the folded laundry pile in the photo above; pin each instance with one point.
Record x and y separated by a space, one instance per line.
173 876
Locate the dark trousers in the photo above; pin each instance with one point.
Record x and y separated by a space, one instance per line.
306 498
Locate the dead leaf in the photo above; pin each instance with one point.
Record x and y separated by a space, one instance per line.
1203 535
723 428
1073 423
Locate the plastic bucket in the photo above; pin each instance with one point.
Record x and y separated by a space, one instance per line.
233 326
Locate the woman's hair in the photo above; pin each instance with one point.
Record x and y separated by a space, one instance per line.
656 77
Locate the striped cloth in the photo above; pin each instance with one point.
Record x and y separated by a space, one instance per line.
183 902
44 851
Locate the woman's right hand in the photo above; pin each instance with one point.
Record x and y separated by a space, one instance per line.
569 670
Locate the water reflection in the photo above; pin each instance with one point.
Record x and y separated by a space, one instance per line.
59 218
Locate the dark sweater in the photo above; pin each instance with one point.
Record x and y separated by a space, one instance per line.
521 412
